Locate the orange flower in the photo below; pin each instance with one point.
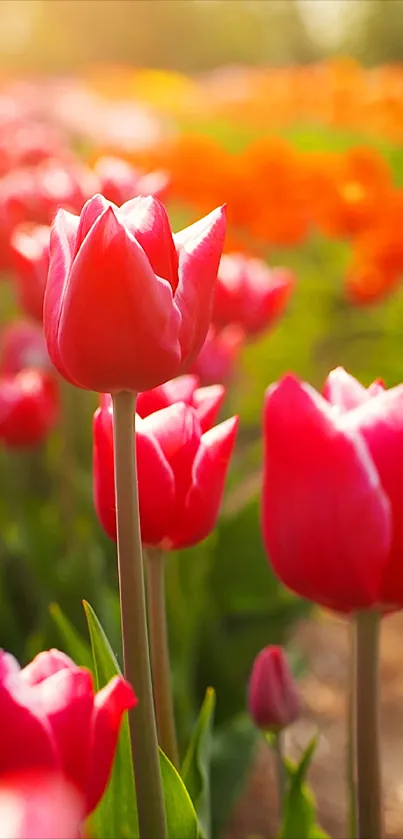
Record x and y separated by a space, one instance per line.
272 199
377 260
350 192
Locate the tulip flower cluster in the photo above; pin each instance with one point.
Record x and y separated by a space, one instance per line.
154 322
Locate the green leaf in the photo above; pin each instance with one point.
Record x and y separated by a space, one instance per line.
181 816
232 756
299 816
116 815
196 765
119 803
76 647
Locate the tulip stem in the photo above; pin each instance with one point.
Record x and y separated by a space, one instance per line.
279 754
369 786
160 656
351 761
143 734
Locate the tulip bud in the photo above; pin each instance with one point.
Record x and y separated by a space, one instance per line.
273 698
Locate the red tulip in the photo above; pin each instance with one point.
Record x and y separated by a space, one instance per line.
29 407
119 181
127 305
181 474
30 250
326 510
273 698
52 721
206 400
23 345
219 354
39 805
249 293
33 194
377 417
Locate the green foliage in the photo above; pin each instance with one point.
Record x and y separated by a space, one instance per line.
116 815
234 747
196 765
299 815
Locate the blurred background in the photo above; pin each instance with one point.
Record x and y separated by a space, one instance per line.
291 111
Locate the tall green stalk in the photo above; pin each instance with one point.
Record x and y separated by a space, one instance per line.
369 785
143 734
160 655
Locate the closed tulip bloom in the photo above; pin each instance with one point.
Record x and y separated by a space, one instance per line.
29 408
250 294
119 181
376 415
53 721
206 400
30 251
219 354
273 699
326 510
23 345
127 304
181 474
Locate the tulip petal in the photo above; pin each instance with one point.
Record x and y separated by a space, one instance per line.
208 478
178 432
119 325
199 249
380 423
156 488
326 518
148 221
103 471
39 805
109 706
344 390
66 699
62 243
176 390
45 664
93 209
26 738
208 402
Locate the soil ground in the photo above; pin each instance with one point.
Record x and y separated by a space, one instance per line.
324 644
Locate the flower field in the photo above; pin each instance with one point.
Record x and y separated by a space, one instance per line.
201 429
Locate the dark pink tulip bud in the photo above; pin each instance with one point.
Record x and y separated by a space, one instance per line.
273 698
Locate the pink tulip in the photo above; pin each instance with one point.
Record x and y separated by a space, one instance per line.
250 294
219 354
53 722
30 252
29 408
127 304
206 400
119 181
332 505
23 345
181 474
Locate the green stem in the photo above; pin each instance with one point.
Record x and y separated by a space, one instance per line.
278 751
160 656
369 787
143 735
351 761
